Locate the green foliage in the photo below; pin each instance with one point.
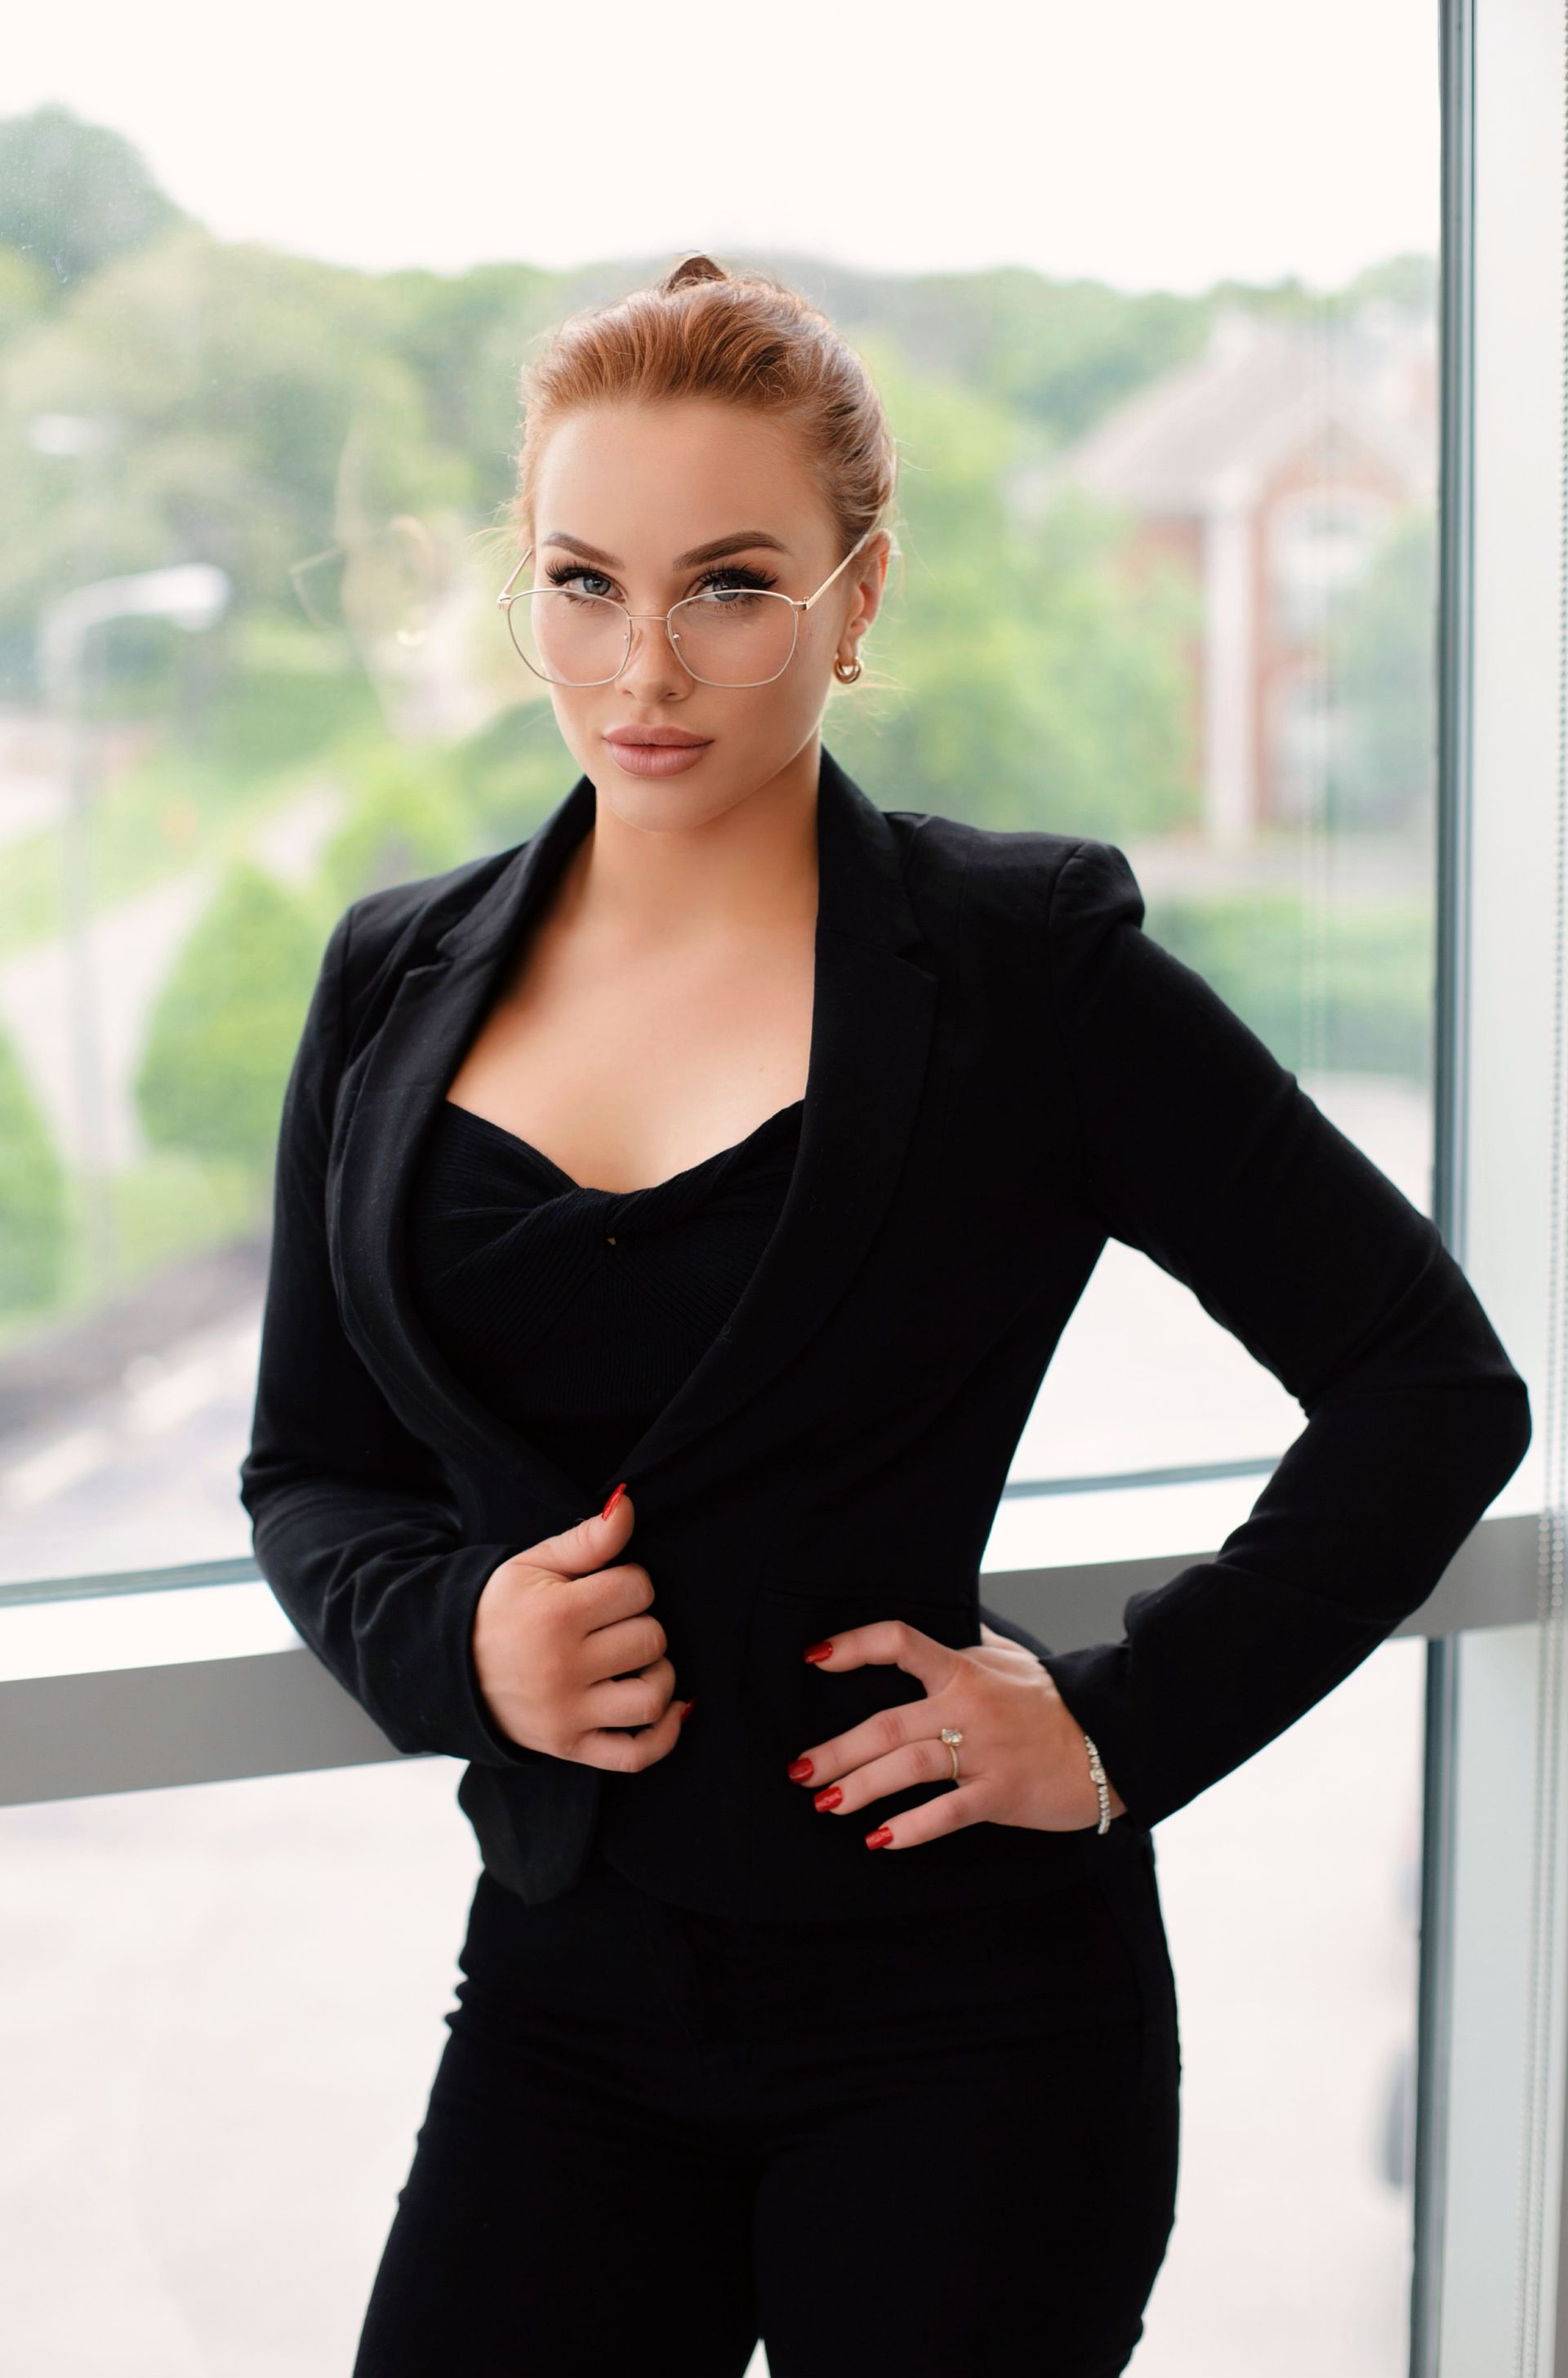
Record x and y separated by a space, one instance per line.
463 338
24 291
1380 655
168 1206
1017 674
1407 282
407 819
263 407
1061 353
226 1022
1342 990
513 771
232 380
34 1213
265 721
74 195
1057 352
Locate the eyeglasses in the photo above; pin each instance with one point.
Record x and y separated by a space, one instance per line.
382 583
730 635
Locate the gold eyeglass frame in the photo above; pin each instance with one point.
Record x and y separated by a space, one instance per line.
797 603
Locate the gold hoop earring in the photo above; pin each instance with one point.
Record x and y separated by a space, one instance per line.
847 676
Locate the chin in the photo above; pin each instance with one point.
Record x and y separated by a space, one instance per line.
658 805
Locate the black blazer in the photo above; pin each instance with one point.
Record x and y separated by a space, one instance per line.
1005 1069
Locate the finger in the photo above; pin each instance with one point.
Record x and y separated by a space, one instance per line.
842 1788
888 1642
628 1646
627 1754
629 1696
881 1736
947 1814
590 1544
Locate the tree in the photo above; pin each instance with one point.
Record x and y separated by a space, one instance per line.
1381 658
34 1219
1020 675
227 1024
74 195
407 819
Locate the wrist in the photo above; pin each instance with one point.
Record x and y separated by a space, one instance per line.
1108 1801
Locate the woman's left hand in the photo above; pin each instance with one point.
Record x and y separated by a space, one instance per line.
1022 1760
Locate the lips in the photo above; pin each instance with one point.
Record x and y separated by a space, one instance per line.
661 759
656 739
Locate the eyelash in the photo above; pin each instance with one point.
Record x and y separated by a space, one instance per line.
737 573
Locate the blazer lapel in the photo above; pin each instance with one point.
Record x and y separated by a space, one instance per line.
874 1007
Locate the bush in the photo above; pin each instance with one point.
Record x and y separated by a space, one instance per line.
1345 992
34 1213
406 818
227 1022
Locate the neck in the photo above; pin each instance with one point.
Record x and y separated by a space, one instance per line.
750 871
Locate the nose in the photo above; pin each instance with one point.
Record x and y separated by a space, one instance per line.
651 671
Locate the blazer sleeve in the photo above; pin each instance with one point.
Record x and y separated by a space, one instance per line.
1198 1149
353 1523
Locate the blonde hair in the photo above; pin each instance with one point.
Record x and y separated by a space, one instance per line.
741 338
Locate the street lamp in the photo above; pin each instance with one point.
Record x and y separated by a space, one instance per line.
193 595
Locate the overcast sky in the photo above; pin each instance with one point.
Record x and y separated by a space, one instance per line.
1148 144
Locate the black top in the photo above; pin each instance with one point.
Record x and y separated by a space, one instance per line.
1006 1071
576 1313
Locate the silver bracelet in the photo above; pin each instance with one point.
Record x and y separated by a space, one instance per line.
1099 1785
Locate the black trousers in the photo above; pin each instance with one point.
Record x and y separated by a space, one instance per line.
943 2146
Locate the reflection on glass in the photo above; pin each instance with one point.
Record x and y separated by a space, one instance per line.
379 584
1171 583
1287 473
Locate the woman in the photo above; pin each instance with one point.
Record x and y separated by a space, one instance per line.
724 1161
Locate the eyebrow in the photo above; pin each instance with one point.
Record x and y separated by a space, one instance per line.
720 546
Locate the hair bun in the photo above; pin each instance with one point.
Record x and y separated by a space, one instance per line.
695 269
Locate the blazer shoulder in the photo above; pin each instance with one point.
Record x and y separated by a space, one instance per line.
412 917
1029 882
1035 863
382 933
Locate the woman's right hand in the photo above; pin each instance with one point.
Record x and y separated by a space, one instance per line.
555 1628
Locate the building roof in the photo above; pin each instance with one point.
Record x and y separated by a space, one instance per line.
1214 431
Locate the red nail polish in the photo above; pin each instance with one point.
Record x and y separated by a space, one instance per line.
613 1500
686 1712
799 1770
878 1840
829 1799
818 1651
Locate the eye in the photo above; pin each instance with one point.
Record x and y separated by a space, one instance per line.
559 572
730 579
735 580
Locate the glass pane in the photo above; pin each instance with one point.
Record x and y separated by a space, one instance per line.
1281 479
1169 533
1168 520
222 2010
1292 1893
219 2015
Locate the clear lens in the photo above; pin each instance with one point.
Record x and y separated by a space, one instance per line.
735 636
569 638
740 637
319 584
379 584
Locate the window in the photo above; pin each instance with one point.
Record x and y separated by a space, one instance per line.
1191 488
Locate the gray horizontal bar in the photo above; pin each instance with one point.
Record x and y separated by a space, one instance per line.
241 1566
192 1722
281 1713
1492 1580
